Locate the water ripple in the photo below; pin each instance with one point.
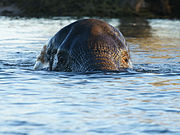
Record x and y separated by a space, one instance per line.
142 100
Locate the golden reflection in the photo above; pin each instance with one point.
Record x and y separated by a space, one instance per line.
162 57
146 101
166 82
158 84
155 44
130 98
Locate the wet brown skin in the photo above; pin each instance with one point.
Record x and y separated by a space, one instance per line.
86 45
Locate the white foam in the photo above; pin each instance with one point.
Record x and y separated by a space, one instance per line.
39 65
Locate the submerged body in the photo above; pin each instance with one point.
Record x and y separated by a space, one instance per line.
85 45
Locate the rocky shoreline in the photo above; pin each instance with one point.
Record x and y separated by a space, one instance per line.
100 8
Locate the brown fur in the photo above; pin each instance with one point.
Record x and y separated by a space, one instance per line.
41 57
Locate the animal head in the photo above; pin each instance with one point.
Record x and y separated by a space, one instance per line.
86 45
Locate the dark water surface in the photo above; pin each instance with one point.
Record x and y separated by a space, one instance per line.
142 101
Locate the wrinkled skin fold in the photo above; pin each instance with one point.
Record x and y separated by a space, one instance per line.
85 45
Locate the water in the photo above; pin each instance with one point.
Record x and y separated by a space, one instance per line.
142 101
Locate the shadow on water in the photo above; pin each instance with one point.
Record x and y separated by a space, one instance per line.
135 27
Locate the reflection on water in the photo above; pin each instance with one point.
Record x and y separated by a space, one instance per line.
142 101
135 27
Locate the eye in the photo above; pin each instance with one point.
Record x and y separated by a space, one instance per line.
62 60
126 60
